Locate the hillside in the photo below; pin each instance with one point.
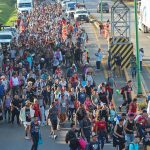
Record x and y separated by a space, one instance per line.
7 12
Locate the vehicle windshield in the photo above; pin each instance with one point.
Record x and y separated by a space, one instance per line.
71 5
71 8
22 5
81 12
9 29
5 37
104 4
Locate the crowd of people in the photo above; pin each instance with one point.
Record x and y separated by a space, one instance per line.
46 69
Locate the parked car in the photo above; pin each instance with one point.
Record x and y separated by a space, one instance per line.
12 30
5 39
105 7
63 4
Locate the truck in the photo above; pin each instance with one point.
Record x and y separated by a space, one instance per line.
144 16
24 5
70 8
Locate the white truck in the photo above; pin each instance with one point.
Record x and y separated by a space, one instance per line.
144 16
24 5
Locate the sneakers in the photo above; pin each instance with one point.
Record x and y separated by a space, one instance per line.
55 136
27 138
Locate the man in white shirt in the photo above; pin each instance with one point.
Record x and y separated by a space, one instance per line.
99 57
15 84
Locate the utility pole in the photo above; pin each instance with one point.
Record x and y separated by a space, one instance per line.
101 11
139 89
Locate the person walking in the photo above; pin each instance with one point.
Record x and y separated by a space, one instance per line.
35 131
15 108
85 126
130 127
101 131
7 106
53 114
117 69
99 57
133 66
119 138
127 95
141 55
72 138
26 115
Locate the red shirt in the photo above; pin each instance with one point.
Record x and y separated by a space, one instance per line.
143 120
101 125
37 110
133 107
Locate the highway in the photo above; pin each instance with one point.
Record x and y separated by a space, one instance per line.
12 136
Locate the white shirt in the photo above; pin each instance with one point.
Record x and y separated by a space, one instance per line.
141 56
89 78
63 83
15 81
5 83
99 56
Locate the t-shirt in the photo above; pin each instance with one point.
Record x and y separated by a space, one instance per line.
81 97
128 89
16 103
27 114
85 124
143 119
101 125
53 113
34 128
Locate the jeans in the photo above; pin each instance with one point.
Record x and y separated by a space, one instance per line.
7 110
70 113
35 139
98 64
129 138
15 90
141 65
15 113
101 138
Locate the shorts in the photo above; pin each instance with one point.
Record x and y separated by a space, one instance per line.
26 124
62 117
54 124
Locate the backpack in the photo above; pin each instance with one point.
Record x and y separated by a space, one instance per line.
73 140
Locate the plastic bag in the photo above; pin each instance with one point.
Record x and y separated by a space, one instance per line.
40 138
82 143
133 146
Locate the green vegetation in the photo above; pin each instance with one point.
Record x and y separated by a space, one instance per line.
7 12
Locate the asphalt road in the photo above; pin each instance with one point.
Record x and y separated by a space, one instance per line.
144 38
12 136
